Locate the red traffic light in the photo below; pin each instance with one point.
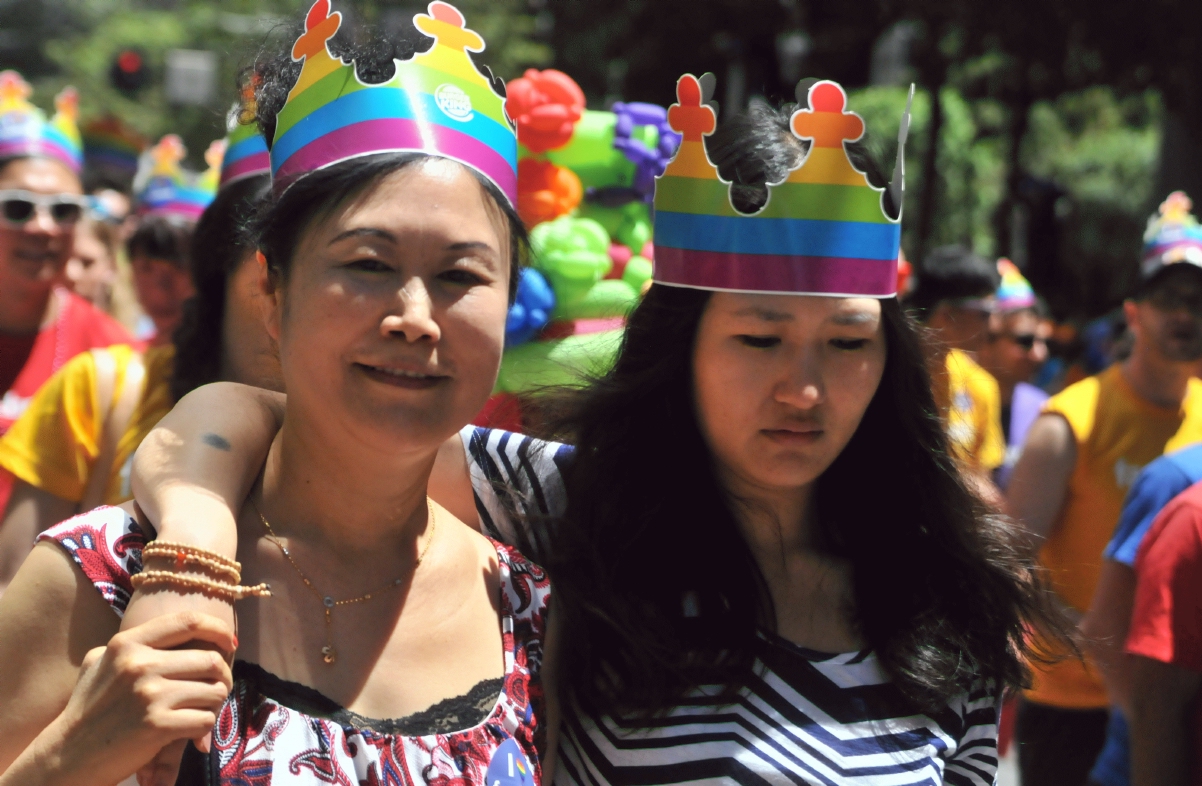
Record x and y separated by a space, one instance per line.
129 61
129 72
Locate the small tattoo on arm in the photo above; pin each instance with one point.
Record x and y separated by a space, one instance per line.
216 441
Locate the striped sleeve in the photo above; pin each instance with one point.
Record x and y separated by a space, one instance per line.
975 761
518 485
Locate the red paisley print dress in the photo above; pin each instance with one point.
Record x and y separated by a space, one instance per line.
274 731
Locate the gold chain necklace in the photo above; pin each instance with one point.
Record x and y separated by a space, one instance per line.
328 654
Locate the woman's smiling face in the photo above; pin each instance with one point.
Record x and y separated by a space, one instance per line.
391 320
781 383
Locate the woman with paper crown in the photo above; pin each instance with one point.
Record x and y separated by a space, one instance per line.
379 639
799 500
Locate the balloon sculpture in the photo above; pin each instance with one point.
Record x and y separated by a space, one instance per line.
586 180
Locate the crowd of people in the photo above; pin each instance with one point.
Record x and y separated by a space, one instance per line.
810 519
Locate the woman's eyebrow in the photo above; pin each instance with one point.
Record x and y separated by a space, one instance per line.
375 232
471 245
766 314
853 318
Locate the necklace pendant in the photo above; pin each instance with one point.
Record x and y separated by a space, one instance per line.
328 655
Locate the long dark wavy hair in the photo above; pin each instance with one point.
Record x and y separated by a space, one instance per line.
940 590
219 244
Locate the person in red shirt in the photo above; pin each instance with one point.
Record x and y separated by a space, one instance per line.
42 325
1165 641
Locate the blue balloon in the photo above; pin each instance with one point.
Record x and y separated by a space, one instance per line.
531 308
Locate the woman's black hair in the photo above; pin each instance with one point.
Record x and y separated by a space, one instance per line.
161 237
317 193
940 590
219 244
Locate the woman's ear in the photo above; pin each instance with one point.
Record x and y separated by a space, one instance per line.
270 288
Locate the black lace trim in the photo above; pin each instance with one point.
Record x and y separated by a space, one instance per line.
447 716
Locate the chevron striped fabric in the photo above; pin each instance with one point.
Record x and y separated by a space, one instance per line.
806 717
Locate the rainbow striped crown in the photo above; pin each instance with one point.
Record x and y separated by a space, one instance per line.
110 145
24 130
164 188
245 152
1173 235
1014 293
823 230
436 103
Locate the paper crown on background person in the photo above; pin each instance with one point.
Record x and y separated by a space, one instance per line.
25 131
163 187
245 153
110 146
823 230
1173 235
437 103
1015 292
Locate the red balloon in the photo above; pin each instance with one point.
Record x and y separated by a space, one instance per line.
546 191
545 105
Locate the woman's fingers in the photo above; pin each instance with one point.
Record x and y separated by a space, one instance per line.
172 630
198 665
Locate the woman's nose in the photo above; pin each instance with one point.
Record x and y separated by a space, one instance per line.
413 319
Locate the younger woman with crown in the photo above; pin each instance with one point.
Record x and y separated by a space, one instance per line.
379 640
794 582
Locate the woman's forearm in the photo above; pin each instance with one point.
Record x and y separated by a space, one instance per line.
195 468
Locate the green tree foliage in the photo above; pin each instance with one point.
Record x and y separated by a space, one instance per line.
235 30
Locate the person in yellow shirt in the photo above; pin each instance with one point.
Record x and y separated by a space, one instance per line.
954 299
1067 490
72 448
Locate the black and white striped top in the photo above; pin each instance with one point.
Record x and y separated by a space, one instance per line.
806 717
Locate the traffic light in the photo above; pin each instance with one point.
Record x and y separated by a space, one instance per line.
129 73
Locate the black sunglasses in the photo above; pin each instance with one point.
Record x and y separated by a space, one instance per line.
18 207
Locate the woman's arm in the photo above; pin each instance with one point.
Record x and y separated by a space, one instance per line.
195 468
50 617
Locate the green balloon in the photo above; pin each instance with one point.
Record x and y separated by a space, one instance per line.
565 361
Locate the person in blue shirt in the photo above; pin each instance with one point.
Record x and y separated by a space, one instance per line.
1104 627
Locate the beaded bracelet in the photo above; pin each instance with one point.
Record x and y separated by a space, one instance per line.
166 578
184 554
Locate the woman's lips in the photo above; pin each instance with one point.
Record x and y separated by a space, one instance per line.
401 378
793 437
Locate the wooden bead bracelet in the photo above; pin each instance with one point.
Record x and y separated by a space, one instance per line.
184 554
218 589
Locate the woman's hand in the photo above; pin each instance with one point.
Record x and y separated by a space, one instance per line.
137 696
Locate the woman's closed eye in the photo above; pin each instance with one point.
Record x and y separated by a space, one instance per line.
759 342
849 344
462 277
368 265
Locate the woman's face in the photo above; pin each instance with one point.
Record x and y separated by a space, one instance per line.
392 319
782 381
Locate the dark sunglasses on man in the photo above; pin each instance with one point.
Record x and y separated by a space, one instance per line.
18 207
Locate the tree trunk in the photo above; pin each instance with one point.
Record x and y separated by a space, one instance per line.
928 199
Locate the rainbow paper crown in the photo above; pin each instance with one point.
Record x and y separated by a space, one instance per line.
823 230
436 103
245 148
1173 235
164 188
1014 293
110 145
24 130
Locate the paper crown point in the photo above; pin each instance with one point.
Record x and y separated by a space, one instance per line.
167 155
320 27
448 27
1176 208
688 116
66 103
827 122
14 90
